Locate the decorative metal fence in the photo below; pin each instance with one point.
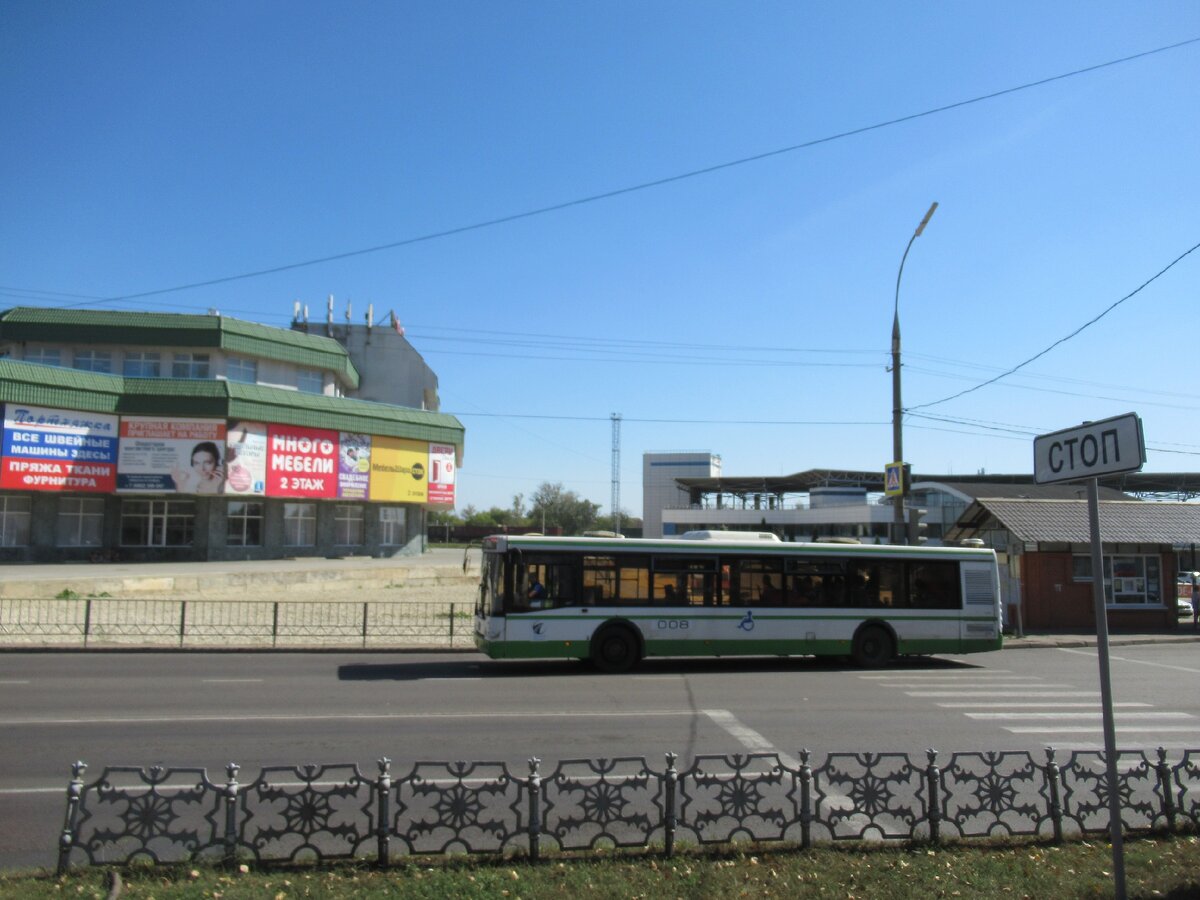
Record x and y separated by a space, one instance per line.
240 623
331 812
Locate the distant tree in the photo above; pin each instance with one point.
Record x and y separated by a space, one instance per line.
444 517
552 505
490 518
605 523
518 507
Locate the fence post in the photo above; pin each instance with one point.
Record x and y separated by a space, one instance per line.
451 624
933 778
182 620
671 777
231 796
364 628
1164 785
535 809
383 830
275 623
806 812
87 621
67 839
1054 778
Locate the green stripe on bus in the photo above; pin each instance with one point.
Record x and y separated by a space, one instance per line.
765 647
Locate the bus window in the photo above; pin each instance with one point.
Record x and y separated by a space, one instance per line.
634 582
934 585
759 582
816 582
684 580
599 580
876 585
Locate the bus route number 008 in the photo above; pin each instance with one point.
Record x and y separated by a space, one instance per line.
672 624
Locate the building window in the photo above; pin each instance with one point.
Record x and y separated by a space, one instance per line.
348 526
14 521
238 368
245 524
157 523
299 524
44 355
391 526
80 522
1128 580
93 361
190 365
310 381
142 365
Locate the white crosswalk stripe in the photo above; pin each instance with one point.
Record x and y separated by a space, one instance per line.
1027 705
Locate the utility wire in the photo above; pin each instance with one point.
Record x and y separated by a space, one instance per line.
1061 340
646 185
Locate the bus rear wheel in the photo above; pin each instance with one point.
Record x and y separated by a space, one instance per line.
873 648
614 649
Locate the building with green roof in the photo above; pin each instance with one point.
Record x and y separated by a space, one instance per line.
158 436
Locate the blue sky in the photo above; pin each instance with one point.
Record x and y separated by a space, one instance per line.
746 311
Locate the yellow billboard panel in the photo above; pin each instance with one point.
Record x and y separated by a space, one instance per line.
398 470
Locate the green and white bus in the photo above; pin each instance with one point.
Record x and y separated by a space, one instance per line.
616 601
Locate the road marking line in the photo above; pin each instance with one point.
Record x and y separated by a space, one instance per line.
1077 715
969 673
231 680
1151 729
968 684
748 737
1023 705
1033 694
1139 662
14 682
159 720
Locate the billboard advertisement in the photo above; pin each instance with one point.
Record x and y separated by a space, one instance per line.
58 450
246 459
166 455
302 462
441 474
398 470
354 466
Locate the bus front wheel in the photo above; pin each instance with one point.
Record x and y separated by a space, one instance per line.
873 648
614 649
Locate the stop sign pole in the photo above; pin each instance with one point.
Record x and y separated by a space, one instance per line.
1108 447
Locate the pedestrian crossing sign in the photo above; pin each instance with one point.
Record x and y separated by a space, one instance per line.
893 479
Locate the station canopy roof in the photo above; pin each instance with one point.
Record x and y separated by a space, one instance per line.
1177 485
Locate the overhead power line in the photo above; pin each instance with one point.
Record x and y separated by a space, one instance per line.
1063 340
645 185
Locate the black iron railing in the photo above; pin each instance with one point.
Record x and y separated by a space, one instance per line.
243 623
331 812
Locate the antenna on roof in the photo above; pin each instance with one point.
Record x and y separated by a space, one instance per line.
296 311
329 316
370 316
347 312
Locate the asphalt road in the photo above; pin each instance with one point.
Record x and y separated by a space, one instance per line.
256 709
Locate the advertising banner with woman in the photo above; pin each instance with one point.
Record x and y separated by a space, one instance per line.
163 455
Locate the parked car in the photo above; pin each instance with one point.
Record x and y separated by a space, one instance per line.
1183 592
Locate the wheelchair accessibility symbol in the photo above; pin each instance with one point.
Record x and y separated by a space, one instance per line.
747 624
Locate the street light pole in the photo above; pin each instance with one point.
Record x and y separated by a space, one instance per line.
899 525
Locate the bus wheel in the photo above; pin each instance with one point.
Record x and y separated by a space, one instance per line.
873 648
614 649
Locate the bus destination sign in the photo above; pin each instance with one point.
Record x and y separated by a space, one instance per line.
1090 450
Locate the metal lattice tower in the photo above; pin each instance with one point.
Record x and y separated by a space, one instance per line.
616 472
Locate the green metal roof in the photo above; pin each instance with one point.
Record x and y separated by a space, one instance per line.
93 326
39 385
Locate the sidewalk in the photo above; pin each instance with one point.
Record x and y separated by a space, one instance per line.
1184 636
